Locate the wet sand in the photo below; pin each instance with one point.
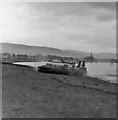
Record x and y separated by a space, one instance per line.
26 93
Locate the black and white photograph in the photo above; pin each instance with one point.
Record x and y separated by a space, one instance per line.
58 59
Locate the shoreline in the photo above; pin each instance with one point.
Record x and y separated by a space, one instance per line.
22 85
67 75
106 77
74 83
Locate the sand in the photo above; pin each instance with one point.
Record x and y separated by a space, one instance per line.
26 93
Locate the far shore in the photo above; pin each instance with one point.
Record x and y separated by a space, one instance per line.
30 94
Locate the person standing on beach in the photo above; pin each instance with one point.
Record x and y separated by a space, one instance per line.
79 64
83 64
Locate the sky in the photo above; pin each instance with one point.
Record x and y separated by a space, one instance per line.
84 26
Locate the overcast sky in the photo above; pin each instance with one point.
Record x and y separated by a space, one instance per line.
89 27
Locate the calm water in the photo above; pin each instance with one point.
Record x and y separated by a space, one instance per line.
105 71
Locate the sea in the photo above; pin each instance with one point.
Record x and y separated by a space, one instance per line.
104 71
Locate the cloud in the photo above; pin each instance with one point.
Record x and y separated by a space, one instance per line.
100 11
106 17
111 6
79 26
105 12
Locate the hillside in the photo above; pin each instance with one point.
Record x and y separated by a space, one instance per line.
33 50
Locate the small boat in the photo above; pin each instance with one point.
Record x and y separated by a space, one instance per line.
63 69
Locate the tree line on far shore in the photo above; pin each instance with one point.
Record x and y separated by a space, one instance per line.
7 57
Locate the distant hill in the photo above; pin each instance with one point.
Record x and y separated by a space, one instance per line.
105 55
34 50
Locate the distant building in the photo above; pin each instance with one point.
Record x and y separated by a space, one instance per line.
90 58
